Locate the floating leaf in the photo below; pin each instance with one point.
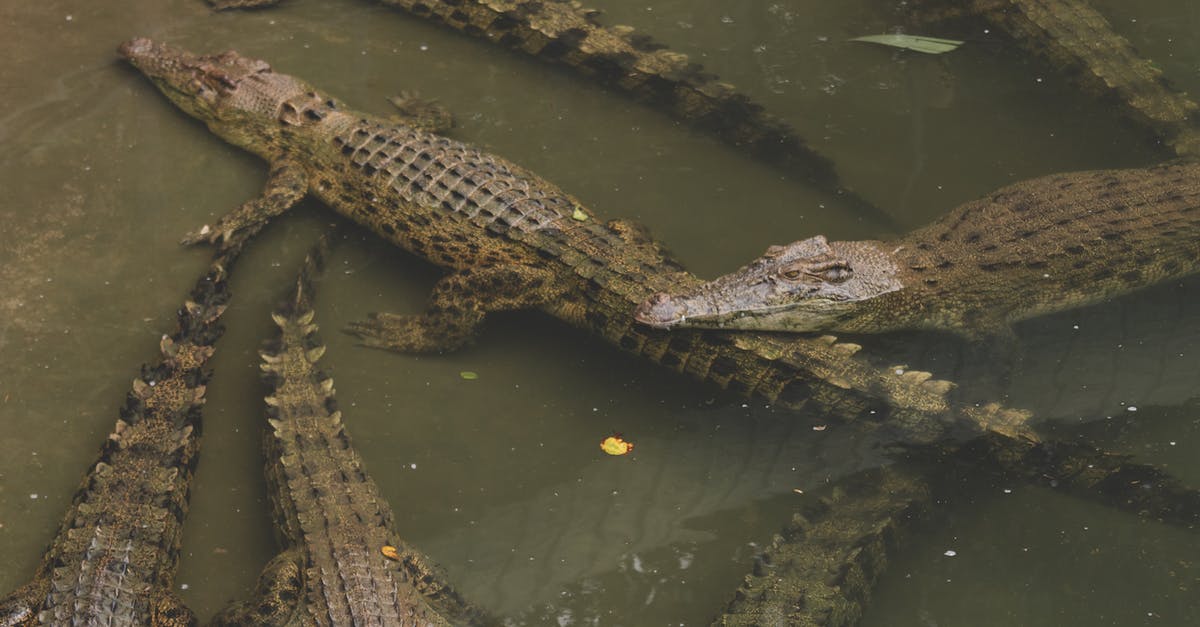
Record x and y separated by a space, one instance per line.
579 214
918 43
390 552
614 445
468 375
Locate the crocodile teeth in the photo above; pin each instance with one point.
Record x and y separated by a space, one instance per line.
271 400
327 386
314 354
270 358
279 319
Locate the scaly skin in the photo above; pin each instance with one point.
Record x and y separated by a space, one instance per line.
512 240
568 34
1073 37
1032 248
332 521
114 558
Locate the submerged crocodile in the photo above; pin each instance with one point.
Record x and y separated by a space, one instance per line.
343 562
512 240
1028 249
1073 37
820 569
566 33
114 557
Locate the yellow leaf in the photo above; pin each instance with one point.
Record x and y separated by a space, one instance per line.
390 552
468 375
579 214
614 445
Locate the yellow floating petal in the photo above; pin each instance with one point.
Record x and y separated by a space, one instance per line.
614 445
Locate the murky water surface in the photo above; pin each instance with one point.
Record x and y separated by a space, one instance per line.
499 479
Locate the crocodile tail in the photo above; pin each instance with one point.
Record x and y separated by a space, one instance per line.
565 32
295 317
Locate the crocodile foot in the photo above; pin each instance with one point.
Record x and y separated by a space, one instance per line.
423 113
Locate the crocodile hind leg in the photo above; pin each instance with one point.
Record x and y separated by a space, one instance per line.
287 184
168 610
456 308
276 596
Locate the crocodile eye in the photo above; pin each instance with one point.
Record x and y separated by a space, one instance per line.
791 274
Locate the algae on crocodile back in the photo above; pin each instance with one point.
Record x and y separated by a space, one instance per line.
114 557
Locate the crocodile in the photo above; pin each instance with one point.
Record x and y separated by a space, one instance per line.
512 240
1031 248
116 552
1071 36
821 567
568 34
343 562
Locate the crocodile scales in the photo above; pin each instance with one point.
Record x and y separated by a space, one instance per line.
514 241
343 562
114 558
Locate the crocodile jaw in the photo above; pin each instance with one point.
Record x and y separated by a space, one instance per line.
238 97
810 285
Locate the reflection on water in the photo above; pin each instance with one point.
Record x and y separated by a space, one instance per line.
500 478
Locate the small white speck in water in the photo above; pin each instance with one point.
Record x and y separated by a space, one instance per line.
183 586
950 553
1131 408
70 18
1008 490
413 466
33 496
423 47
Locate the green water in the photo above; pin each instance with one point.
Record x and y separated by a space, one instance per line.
499 479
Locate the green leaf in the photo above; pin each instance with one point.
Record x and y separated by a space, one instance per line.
468 375
579 214
919 43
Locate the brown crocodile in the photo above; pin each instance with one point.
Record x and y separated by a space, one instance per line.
1076 39
1031 248
343 562
570 35
512 240
114 557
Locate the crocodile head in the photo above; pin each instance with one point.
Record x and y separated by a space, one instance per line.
239 98
809 285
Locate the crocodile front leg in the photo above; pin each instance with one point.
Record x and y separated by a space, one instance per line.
457 307
287 184
276 597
